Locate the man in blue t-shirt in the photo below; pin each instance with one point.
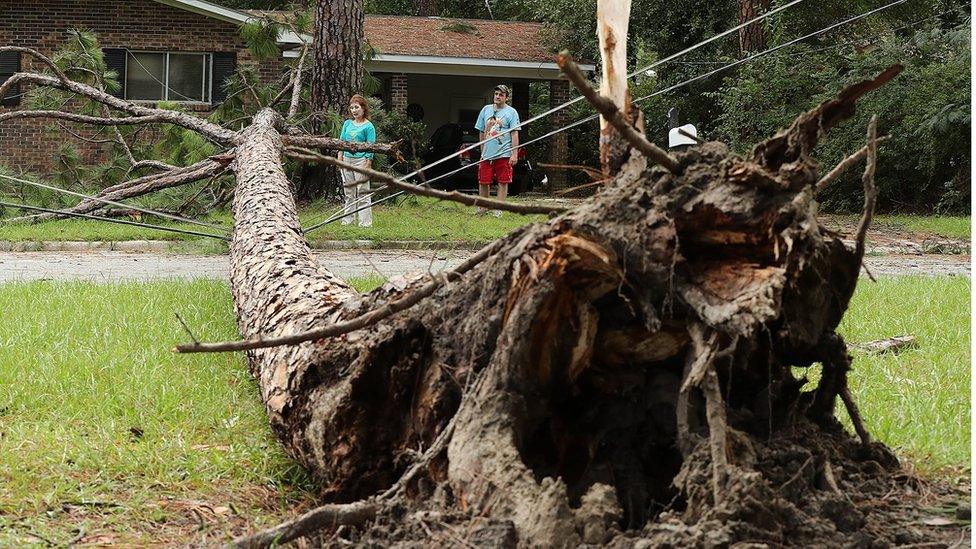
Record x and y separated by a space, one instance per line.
500 153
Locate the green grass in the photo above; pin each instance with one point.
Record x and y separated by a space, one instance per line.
410 219
917 401
103 428
946 226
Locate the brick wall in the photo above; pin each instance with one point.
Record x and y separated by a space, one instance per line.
559 151
398 92
134 24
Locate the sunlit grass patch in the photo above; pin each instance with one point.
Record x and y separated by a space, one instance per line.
102 427
938 225
917 401
408 219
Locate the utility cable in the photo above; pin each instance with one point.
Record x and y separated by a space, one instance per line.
114 203
110 220
339 215
580 98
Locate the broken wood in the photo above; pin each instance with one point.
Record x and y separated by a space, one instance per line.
611 114
894 345
552 421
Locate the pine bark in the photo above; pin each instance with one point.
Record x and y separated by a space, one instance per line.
425 8
337 74
337 71
752 38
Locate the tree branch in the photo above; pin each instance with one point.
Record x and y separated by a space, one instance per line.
40 56
362 321
296 89
468 200
870 190
352 514
83 118
135 187
335 144
613 115
845 164
207 129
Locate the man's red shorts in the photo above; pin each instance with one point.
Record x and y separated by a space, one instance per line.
498 169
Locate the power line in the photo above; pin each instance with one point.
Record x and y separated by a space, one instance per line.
114 203
110 220
580 98
337 215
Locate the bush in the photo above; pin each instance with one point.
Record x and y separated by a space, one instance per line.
924 167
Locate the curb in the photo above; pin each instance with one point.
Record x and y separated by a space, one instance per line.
156 246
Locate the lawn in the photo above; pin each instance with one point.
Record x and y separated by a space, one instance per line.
946 226
409 219
917 401
108 437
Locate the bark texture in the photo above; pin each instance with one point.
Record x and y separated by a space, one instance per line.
630 356
752 38
425 8
337 71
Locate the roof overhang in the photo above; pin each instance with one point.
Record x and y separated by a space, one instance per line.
286 39
465 66
396 63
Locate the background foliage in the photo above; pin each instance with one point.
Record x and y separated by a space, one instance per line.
924 167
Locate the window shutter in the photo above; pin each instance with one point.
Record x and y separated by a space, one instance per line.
9 64
224 66
115 61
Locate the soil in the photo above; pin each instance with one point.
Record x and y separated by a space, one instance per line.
807 489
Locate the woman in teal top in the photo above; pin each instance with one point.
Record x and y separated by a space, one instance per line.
355 186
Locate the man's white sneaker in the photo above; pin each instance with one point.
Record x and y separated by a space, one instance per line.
496 213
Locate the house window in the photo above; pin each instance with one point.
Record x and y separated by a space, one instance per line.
156 76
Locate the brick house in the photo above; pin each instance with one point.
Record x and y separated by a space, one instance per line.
182 50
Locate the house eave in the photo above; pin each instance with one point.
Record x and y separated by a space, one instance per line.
286 39
463 66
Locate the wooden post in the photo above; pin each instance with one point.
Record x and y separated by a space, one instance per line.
613 18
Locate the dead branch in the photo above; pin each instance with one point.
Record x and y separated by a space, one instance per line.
83 118
614 116
39 56
894 345
141 185
335 144
854 413
468 200
870 190
844 165
207 129
326 516
402 303
296 93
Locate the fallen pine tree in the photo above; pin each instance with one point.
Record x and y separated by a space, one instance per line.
620 374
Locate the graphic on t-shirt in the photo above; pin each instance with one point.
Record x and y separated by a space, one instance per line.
493 128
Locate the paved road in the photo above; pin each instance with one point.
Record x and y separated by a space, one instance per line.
104 266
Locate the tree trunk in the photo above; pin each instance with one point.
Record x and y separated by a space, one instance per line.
752 38
337 74
616 358
425 8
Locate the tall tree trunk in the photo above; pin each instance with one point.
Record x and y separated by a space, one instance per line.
589 371
337 73
752 38
425 8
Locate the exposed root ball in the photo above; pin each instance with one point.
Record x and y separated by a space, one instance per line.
623 373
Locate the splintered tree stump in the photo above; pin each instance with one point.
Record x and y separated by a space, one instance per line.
621 371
